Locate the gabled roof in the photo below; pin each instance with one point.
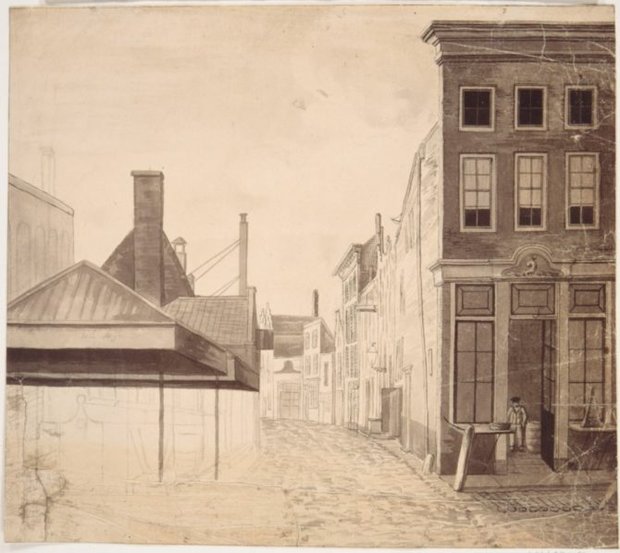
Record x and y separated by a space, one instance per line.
288 334
120 265
221 318
82 293
84 326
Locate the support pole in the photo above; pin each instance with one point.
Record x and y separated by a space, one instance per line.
161 425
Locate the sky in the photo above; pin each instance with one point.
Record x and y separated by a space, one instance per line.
305 117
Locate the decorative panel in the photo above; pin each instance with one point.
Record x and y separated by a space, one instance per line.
533 299
474 300
587 298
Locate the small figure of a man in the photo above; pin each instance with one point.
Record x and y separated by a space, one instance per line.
517 417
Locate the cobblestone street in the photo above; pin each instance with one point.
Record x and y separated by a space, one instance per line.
319 485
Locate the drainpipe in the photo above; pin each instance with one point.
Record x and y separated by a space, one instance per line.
421 155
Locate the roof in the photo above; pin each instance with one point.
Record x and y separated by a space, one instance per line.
523 41
120 265
221 318
83 325
288 334
38 193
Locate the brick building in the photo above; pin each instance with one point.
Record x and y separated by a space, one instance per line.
500 279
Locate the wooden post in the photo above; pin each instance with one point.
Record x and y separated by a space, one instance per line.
161 425
461 467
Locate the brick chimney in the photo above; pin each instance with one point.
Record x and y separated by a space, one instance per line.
315 303
243 254
148 194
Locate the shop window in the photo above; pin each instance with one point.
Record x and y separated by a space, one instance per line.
587 298
580 106
533 299
474 372
530 108
582 193
477 178
472 300
586 366
477 107
530 191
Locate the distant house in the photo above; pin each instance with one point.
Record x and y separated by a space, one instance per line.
356 269
296 375
40 236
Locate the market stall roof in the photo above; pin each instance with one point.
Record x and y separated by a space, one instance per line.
84 327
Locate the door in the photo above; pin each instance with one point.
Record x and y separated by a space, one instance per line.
547 418
391 407
289 404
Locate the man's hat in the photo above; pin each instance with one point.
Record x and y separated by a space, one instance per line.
515 399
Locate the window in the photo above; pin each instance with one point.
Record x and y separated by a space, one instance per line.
307 340
530 191
586 372
580 106
315 339
477 109
474 371
582 189
477 192
530 108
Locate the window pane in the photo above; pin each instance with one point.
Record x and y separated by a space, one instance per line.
469 166
484 337
466 367
484 166
575 335
594 366
575 364
587 197
587 216
537 164
470 199
575 163
484 403
465 336
484 218
465 402
580 107
587 164
576 401
469 180
536 217
536 198
471 217
525 198
594 334
484 367
484 199
476 107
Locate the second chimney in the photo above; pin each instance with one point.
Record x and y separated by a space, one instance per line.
148 192
243 254
315 303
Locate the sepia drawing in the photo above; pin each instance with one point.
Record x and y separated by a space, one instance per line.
387 316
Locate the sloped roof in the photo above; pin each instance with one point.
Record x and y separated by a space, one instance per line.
82 293
120 265
288 334
328 343
224 319
84 326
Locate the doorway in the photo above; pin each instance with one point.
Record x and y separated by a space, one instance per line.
531 376
391 410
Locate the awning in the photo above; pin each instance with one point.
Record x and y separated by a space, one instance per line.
83 327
